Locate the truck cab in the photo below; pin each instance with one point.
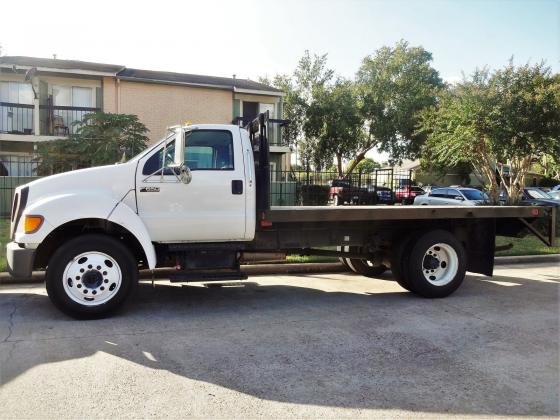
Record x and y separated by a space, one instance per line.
214 198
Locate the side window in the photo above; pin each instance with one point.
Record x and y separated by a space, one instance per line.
453 193
438 192
156 162
209 150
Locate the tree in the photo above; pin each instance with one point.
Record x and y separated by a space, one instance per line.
310 75
395 85
367 166
508 119
334 124
99 138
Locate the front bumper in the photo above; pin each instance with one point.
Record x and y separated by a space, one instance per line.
20 260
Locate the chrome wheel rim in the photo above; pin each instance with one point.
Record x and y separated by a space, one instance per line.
440 264
92 278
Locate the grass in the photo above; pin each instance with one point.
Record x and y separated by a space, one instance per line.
528 245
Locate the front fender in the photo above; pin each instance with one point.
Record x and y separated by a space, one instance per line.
127 218
63 208
60 209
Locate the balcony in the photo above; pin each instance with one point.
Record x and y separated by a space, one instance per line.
274 129
16 118
59 120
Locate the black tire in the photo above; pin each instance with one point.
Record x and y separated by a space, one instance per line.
65 256
344 261
365 269
336 200
419 262
399 260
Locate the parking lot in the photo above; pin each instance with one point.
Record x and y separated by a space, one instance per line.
316 345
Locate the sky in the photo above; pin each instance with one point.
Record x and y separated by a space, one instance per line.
257 38
263 38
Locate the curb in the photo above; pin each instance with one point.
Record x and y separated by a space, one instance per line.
297 268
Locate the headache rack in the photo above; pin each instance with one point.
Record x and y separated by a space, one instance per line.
258 134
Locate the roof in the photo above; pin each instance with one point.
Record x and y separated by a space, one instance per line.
195 79
122 72
60 64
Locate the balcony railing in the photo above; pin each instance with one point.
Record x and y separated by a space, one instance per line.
16 118
59 120
274 129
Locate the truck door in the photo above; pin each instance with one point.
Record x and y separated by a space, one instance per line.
212 206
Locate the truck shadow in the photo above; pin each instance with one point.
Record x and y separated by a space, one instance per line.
466 354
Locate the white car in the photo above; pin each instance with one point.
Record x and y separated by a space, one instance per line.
452 197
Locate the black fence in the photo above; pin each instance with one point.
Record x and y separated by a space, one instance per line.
311 188
18 170
288 188
59 120
16 118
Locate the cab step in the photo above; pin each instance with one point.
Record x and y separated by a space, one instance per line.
207 275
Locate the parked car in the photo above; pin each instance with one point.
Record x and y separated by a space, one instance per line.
452 197
556 188
555 194
407 193
383 195
342 192
537 197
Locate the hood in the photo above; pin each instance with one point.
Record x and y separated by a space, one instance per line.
112 180
544 202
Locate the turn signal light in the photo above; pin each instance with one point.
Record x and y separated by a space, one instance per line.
32 223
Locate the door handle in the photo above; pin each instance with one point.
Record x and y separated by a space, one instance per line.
237 187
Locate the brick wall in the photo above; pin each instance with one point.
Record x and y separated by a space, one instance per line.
159 106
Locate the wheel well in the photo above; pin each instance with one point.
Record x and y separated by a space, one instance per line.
79 227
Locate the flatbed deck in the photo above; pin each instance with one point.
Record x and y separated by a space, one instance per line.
285 214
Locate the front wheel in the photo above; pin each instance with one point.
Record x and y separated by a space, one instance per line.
91 276
437 264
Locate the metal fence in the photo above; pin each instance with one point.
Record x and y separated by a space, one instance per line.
16 118
311 188
59 120
288 188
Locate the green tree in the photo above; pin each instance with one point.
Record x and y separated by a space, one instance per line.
367 166
99 139
395 85
310 76
508 118
334 124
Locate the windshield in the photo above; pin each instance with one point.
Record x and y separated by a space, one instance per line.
474 195
555 194
538 194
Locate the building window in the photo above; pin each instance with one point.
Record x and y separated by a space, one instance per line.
72 96
16 93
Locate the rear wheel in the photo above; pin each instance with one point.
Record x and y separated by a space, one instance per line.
437 264
336 200
399 260
366 267
91 276
344 261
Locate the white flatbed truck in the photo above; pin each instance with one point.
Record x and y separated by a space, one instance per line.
199 201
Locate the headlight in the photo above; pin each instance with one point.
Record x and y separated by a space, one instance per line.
32 223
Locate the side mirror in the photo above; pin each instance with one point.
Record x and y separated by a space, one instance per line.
459 198
185 174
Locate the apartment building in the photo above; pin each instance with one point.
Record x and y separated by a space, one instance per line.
41 98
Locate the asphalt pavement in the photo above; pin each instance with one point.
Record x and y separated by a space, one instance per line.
306 345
